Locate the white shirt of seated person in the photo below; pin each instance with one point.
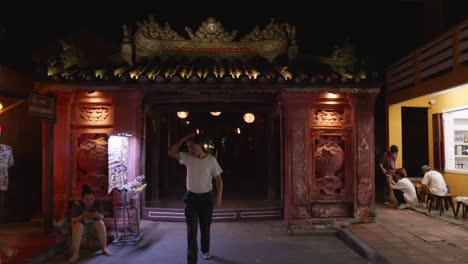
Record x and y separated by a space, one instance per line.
436 183
407 187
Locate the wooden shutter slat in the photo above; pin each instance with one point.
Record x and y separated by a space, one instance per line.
438 141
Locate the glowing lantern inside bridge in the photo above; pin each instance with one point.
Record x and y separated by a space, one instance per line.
182 115
249 118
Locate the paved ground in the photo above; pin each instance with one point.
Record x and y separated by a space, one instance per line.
407 236
401 236
28 238
232 243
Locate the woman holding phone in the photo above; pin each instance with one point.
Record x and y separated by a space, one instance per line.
87 213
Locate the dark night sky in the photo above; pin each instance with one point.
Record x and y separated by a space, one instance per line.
384 29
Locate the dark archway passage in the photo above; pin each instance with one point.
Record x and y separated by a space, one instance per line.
248 153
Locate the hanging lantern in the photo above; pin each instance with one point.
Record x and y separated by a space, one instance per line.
182 115
238 131
249 118
215 113
1 106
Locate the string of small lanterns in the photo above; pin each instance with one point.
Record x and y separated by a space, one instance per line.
248 117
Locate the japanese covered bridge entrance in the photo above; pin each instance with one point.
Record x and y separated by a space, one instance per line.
307 154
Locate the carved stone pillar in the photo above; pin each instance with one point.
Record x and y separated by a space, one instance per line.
364 208
62 164
296 157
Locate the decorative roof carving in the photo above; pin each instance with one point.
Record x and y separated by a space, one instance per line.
210 39
67 60
273 30
151 29
211 30
344 51
158 54
70 55
344 60
316 77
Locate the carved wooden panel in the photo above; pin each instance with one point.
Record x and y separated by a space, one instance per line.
330 117
92 110
94 114
91 162
331 165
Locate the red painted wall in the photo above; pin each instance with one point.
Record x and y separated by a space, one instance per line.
23 133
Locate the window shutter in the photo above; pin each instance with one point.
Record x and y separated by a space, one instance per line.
438 141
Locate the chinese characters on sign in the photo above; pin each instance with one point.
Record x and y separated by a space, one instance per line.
42 106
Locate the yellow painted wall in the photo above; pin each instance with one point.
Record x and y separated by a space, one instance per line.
444 101
458 183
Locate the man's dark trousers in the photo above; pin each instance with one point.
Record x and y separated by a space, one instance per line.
399 196
198 209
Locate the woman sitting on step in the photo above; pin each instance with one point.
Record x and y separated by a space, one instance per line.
87 213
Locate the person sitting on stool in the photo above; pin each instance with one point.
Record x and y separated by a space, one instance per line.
433 182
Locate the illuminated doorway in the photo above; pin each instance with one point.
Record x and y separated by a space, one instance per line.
249 153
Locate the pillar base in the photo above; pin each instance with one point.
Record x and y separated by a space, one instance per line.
318 226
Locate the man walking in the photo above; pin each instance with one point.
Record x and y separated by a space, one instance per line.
201 169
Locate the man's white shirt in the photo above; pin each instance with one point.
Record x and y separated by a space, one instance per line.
407 187
435 181
200 172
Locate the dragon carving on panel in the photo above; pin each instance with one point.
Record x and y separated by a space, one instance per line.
329 161
92 159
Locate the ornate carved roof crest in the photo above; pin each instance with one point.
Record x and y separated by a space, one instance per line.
152 30
210 39
211 30
273 30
